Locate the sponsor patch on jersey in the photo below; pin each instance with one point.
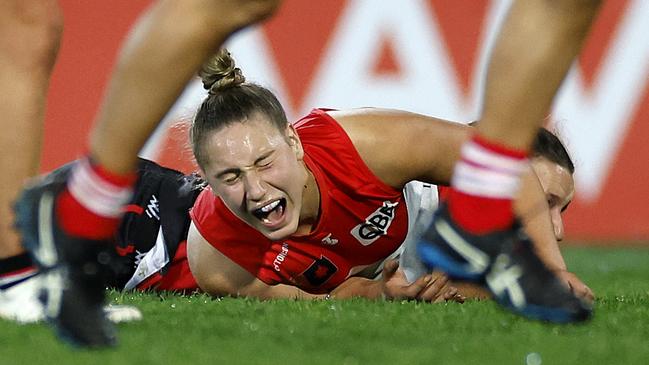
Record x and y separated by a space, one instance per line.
376 224
279 259
320 271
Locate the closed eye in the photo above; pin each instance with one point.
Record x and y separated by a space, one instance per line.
230 178
265 161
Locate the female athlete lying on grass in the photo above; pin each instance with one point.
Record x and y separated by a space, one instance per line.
313 209
276 242
163 197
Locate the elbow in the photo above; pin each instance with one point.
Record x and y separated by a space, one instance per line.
215 290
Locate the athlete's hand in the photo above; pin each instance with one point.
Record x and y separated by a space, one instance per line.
433 287
577 286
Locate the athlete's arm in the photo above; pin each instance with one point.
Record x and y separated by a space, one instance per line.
400 146
434 287
217 275
531 207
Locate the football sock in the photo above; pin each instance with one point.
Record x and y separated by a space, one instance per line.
15 270
91 205
484 183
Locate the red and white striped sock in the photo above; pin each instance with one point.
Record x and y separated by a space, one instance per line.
91 206
484 183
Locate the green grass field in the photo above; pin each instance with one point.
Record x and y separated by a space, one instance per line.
199 330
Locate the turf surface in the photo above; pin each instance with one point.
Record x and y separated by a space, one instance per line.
199 330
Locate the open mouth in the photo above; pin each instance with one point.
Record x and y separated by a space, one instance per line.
272 212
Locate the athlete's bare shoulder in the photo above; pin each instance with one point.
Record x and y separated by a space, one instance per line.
400 146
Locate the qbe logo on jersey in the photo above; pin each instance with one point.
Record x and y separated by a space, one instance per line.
375 225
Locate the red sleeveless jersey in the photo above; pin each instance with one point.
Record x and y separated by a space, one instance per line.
362 220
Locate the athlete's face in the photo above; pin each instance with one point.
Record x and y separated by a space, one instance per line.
258 172
559 187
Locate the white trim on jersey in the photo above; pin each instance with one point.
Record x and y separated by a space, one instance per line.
152 262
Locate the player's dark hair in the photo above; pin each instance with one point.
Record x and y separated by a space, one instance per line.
230 100
548 145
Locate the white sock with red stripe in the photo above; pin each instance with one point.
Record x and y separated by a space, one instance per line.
484 183
91 206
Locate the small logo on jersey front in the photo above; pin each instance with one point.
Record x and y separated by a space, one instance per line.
279 259
329 240
376 224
